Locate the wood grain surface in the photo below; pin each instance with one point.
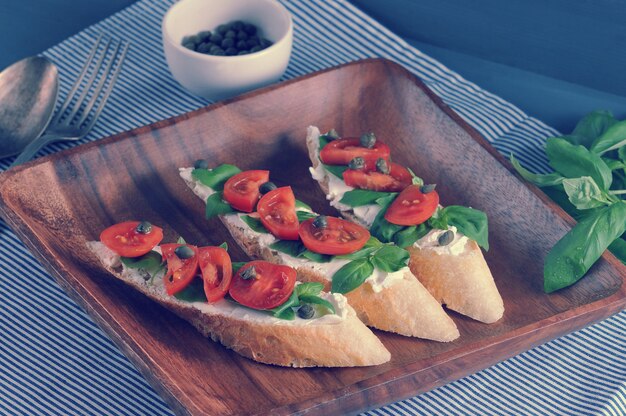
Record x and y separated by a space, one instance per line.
56 204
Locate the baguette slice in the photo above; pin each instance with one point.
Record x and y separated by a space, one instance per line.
463 282
401 305
330 341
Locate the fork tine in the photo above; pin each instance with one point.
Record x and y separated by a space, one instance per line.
96 91
92 79
109 88
79 80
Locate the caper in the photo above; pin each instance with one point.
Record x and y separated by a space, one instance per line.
265 43
228 43
230 34
249 273
382 166
251 42
201 164
221 29
238 25
368 140
206 34
426 189
445 238
241 45
216 50
332 134
204 47
184 252
306 311
217 38
357 163
250 29
190 45
255 49
320 222
231 51
144 227
266 187
244 52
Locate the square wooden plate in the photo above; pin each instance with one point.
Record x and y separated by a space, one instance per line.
57 203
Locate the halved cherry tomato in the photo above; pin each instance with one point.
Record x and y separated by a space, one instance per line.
398 179
124 239
180 272
342 151
217 272
242 190
277 212
270 285
412 207
338 237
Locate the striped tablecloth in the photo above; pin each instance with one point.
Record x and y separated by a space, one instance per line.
55 360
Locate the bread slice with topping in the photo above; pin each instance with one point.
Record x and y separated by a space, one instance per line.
395 301
456 274
332 340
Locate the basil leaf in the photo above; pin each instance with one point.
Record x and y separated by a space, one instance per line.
216 206
351 275
323 141
309 288
238 265
336 170
304 215
549 179
576 161
293 248
316 257
194 292
316 300
215 178
285 310
372 245
618 248
613 138
255 224
584 193
151 262
224 245
573 255
390 258
590 127
302 206
383 229
621 152
360 197
409 235
614 164
470 222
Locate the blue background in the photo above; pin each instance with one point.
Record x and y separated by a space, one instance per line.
555 59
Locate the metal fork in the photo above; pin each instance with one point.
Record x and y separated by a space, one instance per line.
77 115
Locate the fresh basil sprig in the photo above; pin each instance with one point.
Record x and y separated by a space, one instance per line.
374 255
360 197
216 206
589 183
151 263
295 248
302 293
255 224
215 178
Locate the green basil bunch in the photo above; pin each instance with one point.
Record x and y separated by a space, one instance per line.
589 183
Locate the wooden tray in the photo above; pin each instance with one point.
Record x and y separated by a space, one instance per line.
57 203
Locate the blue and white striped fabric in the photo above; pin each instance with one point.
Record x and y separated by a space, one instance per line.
55 360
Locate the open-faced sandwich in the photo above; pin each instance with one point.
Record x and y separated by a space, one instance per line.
360 181
257 309
270 224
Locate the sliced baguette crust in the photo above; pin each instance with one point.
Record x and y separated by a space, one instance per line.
404 307
345 344
462 282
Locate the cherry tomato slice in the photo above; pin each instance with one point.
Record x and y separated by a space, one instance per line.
180 272
270 286
124 239
217 272
338 237
242 190
412 207
277 212
342 151
398 179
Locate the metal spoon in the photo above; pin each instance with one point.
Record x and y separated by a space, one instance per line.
28 93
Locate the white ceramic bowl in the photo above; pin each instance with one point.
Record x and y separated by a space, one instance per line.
218 77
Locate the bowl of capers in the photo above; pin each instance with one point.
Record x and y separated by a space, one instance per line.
220 48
